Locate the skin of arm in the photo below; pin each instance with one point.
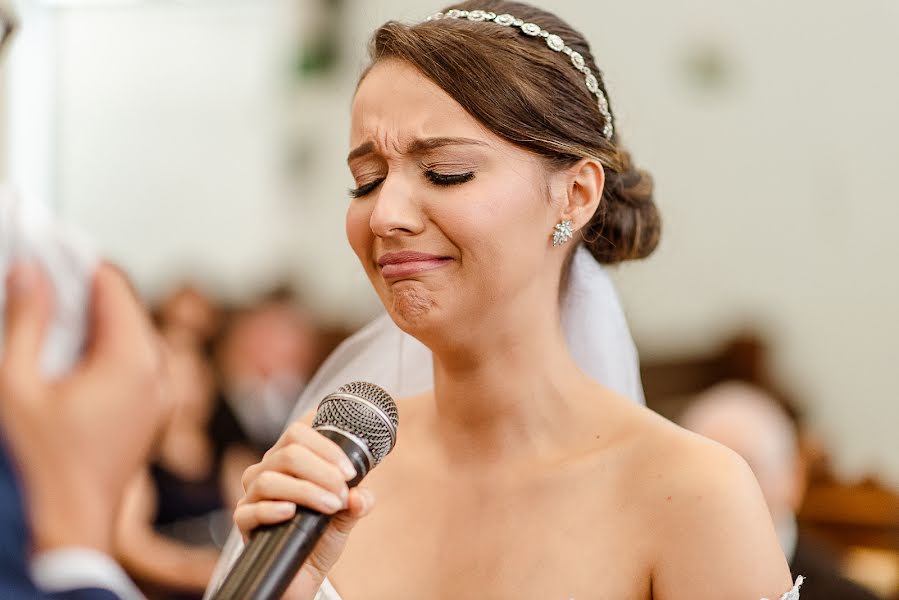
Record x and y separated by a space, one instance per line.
156 558
714 532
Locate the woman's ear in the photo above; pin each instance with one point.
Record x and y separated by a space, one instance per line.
584 183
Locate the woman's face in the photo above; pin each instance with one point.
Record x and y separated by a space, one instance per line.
448 219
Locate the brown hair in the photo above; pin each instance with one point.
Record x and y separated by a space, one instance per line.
534 98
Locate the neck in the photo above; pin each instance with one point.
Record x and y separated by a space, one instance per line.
509 392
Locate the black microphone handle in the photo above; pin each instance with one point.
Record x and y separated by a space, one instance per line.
274 553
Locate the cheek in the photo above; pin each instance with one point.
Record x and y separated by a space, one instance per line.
506 227
358 230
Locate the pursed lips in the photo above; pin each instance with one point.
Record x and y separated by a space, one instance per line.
406 263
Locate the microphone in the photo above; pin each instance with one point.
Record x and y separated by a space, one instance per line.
362 419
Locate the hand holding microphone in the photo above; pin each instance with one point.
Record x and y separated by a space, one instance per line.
301 501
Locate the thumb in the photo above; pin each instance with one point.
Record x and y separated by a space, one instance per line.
361 502
328 549
28 301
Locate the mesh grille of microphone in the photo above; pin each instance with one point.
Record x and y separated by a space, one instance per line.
358 418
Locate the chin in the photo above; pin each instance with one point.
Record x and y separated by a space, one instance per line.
410 306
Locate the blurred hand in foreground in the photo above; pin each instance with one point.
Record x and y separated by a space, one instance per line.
77 441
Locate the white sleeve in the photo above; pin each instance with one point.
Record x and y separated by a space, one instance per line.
76 568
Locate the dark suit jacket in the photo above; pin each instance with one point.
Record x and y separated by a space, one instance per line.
822 574
15 583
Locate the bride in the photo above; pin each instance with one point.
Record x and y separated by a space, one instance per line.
488 173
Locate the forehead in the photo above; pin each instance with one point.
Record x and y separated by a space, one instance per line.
396 104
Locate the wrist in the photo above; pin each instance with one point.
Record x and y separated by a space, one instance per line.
69 520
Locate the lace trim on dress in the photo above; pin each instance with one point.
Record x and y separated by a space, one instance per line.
327 592
793 594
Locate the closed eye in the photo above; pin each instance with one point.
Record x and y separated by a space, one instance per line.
445 179
365 188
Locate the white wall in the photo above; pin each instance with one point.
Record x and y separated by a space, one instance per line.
29 95
3 126
779 202
170 120
777 190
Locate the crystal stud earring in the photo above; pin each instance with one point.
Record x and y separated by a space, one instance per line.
562 233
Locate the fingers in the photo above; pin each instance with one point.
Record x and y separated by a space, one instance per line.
303 435
123 345
248 517
120 325
28 304
360 504
271 485
302 463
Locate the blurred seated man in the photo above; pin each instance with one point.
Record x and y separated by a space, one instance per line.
265 356
754 425
71 445
188 316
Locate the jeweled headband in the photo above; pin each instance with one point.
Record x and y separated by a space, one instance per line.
553 41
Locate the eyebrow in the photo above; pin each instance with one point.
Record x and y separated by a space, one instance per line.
417 146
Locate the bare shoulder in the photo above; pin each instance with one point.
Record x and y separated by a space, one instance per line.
685 477
712 533
687 464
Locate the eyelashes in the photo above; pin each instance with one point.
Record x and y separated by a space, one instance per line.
444 179
365 189
439 179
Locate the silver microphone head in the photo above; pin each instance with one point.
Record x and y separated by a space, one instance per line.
365 411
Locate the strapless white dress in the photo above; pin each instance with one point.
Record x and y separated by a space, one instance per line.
327 592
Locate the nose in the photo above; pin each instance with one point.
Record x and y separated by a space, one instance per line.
396 211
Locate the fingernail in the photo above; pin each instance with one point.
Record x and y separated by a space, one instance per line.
349 471
332 501
368 498
345 496
22 279
286 509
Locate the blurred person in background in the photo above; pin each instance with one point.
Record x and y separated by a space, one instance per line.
71 445
167 527
752 423
176 513
264 357
188 316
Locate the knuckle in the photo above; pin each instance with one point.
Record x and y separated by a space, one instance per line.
266 482
297 431
242 518
337 477
295 456
267 455
249 474
333 450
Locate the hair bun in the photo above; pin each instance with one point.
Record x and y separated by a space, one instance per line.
627 225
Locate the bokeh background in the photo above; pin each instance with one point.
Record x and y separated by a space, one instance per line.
203 141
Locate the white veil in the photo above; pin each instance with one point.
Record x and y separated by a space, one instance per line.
381 353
